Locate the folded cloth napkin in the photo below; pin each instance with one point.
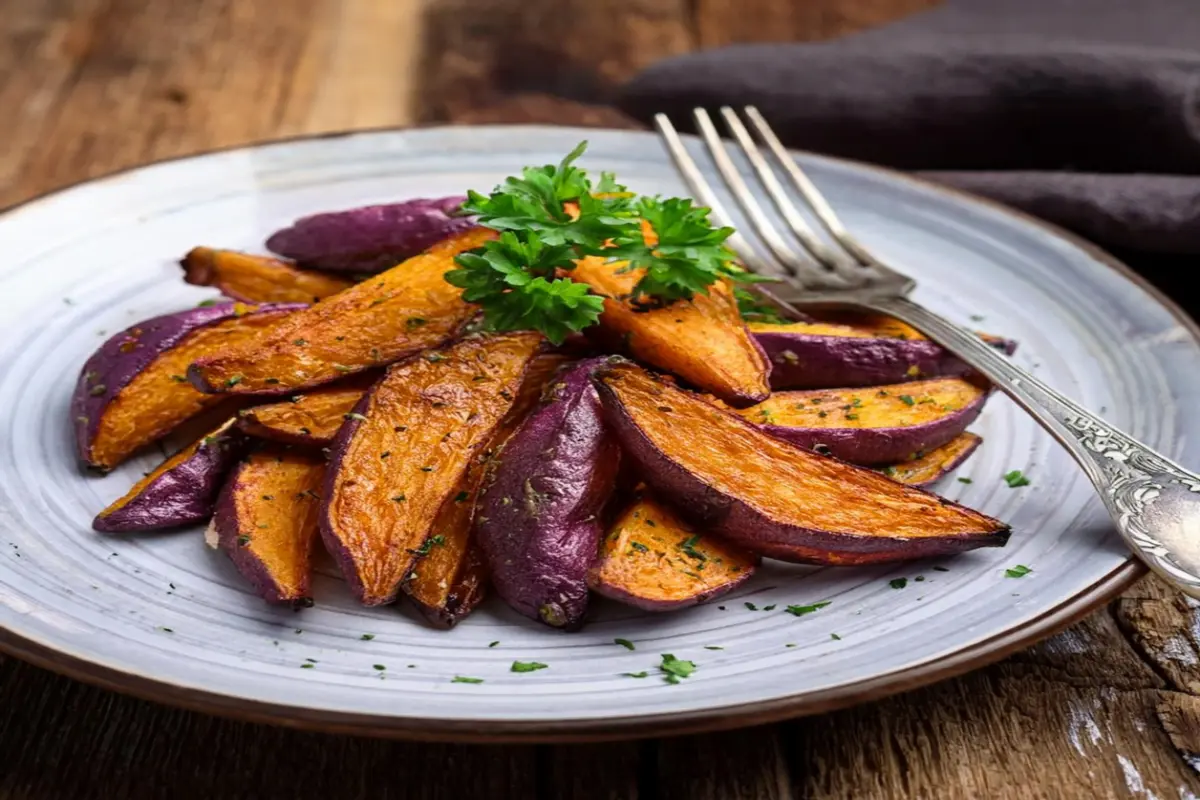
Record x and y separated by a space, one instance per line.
1083 112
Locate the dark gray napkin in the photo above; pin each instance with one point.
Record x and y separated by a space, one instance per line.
1083 112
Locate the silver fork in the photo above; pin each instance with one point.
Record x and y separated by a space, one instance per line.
1154 502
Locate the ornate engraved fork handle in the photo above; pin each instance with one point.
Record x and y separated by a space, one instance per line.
1154 502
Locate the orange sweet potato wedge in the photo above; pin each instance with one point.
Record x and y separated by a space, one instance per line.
703 340
875 425
449 578
772 497
310 419
266 520
397 313
928 467
406 449
257 279
652 559
132 391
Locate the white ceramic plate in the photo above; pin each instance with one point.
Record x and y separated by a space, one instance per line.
163 617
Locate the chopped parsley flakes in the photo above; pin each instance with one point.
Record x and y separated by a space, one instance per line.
674 669
800 611
1015 479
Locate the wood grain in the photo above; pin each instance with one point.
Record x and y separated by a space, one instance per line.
1109 708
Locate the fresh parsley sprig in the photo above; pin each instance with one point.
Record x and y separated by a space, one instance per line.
553 215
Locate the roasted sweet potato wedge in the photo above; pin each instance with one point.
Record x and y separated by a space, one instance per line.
876 425
132 391
934 464
652 559
703 340
449 578
400 312
266 520
372 238
769 496
257 279
180 491
405 450
539 514
310 419
856 349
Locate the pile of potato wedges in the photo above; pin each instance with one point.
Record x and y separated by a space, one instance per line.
654 460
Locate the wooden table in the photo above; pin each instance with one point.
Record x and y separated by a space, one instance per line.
1108 708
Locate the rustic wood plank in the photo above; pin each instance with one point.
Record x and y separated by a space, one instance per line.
1163 625
747 765
1080 710
64 739
363 71
110 85
41 46
996 736
721 22
594 771
477 52
94 85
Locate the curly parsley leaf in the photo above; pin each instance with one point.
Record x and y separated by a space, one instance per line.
551 216
508 279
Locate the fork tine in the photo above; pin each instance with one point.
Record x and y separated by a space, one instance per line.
800 227
704 193
741 192
809 191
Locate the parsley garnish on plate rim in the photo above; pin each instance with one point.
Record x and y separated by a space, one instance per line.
552 216
675 668
1015 478
799 611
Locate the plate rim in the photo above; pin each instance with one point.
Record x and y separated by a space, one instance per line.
711 719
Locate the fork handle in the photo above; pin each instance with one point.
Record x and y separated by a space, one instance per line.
1154 502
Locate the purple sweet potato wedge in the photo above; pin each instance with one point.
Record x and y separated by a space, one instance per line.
133 390
372 238
933 465
450 576
405 450
731 479
180 491
266 520
257 279
538 518
856 350
654 560
875 425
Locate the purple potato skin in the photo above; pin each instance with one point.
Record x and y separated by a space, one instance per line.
370 239
337 451
225 524
119 360
183 495
538 518
805 361
872 446
739 522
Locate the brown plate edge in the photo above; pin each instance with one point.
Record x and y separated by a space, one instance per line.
709 720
